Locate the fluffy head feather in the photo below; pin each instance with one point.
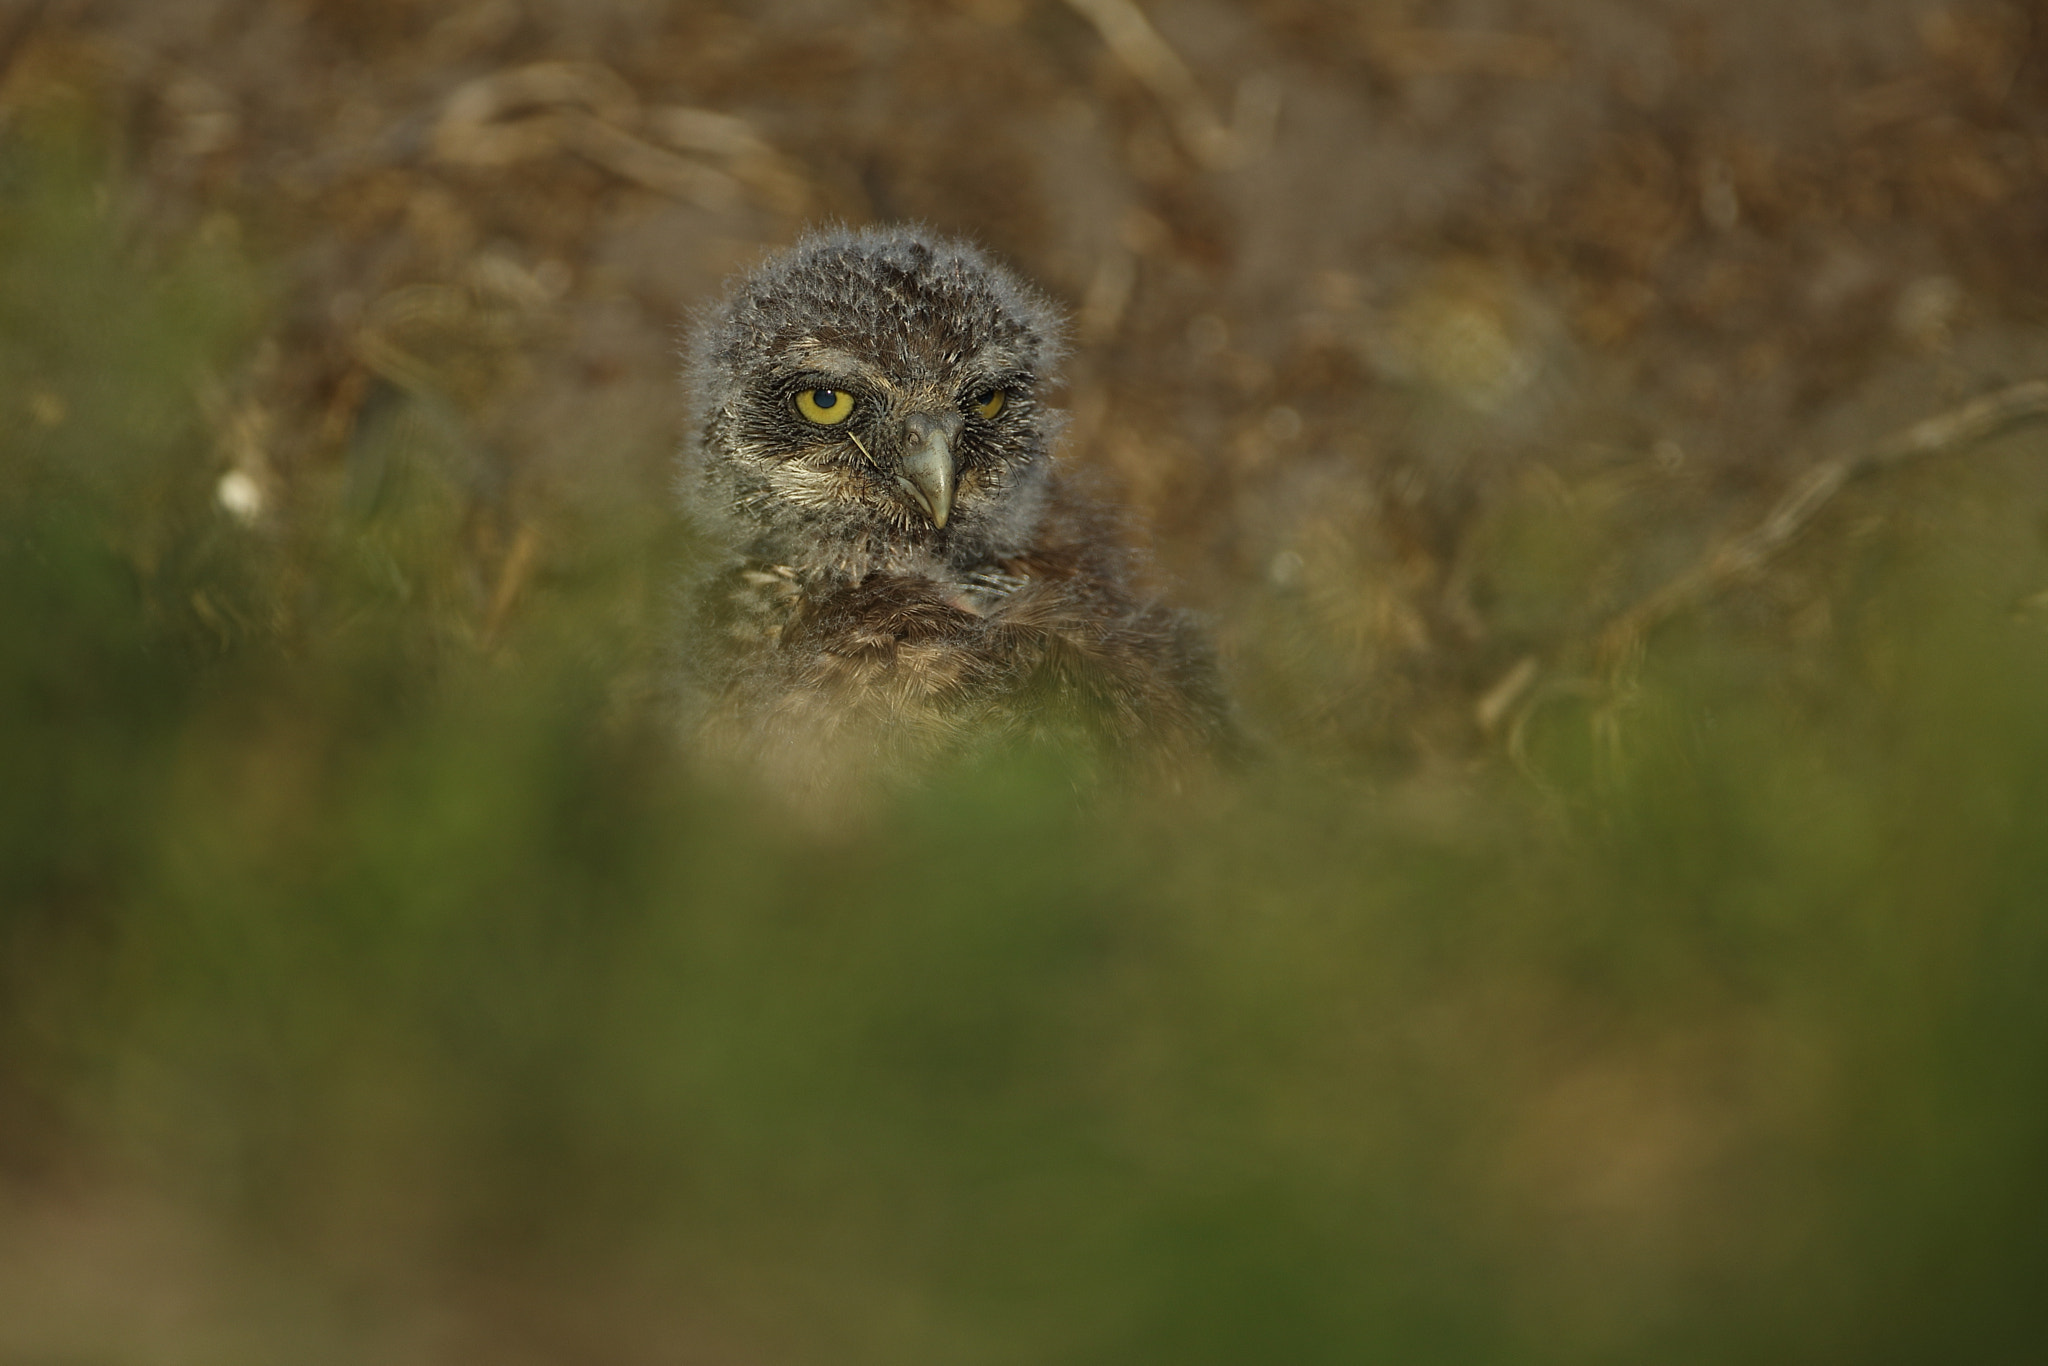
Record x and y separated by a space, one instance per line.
919 331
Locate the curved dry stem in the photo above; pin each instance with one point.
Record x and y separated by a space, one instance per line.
1619 645
1620 641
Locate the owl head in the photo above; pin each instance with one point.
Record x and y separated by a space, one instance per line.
870 401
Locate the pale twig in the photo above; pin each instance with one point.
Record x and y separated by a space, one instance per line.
644 164
1620 642
1743 555
1151 59
1498 700
515 115
513 577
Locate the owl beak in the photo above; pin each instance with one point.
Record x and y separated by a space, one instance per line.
925 471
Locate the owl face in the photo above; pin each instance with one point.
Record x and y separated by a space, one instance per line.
870 401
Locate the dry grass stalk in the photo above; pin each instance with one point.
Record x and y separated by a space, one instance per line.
1523 690
587 108
1157 67
1741 556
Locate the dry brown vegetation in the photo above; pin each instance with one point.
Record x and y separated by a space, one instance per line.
1428 337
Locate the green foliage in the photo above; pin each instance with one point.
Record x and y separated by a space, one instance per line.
414 960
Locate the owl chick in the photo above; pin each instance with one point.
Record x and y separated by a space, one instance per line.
897 574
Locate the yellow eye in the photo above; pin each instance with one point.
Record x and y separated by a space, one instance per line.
825 406
990 403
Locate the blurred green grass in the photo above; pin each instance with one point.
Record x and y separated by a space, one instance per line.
415 962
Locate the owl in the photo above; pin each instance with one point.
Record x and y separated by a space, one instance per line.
896 575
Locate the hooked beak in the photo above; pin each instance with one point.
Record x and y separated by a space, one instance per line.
925 471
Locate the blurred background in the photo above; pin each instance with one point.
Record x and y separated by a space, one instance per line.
1600 438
